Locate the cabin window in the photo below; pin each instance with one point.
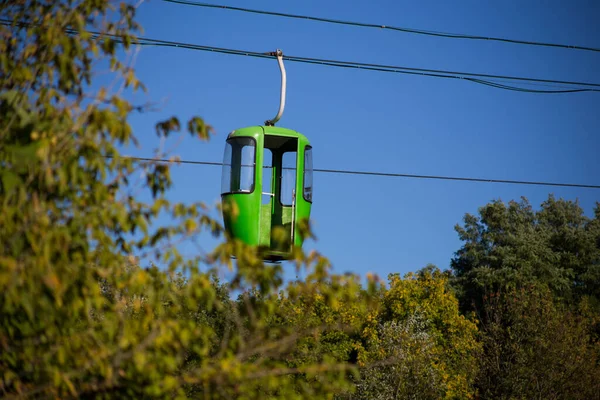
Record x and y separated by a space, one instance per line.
238 165
267 177
288 178
308 174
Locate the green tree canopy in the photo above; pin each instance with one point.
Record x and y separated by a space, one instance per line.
85 313
418 345
508 245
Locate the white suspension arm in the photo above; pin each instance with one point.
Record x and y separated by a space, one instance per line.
273 121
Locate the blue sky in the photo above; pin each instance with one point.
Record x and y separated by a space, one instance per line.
384 122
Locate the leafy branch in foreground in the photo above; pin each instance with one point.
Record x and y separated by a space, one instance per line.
85 313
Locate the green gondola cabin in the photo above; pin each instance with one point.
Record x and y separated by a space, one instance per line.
266 188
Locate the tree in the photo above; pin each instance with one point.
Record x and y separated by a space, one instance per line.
421 347
532 278
534 348
408 341
507 246
85 311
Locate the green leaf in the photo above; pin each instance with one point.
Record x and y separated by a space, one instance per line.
10 180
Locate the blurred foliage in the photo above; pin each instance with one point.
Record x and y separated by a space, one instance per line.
85 311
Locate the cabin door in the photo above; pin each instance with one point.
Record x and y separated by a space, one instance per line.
279 174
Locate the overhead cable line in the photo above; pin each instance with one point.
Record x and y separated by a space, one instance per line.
385 27
467 76
488 79
389 174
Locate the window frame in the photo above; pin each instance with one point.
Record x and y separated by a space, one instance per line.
255 145
312 174
295 185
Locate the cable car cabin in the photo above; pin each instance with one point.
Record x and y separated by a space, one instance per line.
266 187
